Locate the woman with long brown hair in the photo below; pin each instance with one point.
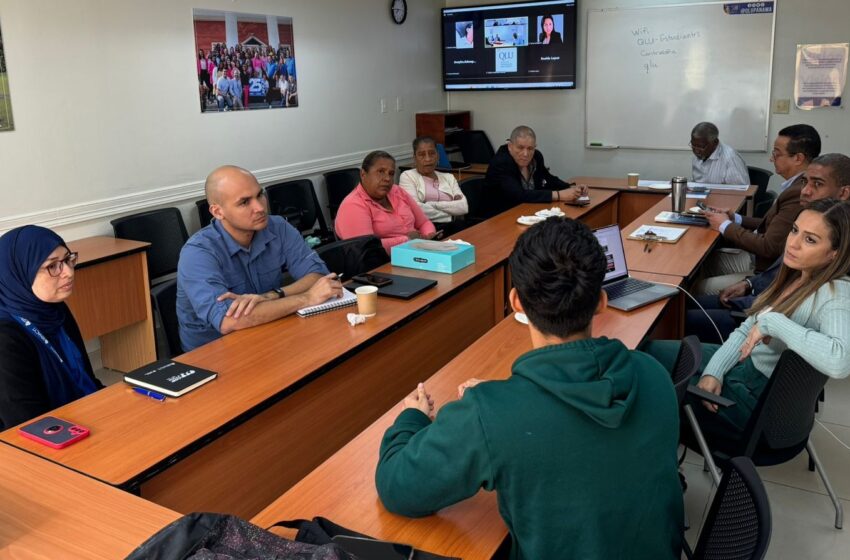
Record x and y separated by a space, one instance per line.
805 309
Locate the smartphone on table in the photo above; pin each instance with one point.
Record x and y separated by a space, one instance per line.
372 279
54 432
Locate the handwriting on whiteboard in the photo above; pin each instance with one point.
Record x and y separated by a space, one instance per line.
653 45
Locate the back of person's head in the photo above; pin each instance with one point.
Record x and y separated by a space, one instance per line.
522 131
705 131
372 158
837 165
802 139
557 267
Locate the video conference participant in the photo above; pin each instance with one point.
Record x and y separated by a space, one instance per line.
548 35
438 194
579 443
714 161
43 360
229 276
378 207
806 309
519 173
761 240
828 176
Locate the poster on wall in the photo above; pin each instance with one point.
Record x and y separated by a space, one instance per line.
821 74
244 62
6 121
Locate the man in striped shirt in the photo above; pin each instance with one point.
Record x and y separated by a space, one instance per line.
714 161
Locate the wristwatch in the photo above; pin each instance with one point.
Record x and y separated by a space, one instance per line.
279 292
750 284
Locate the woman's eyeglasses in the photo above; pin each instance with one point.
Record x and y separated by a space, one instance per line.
55 268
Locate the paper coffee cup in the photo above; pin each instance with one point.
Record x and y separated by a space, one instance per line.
367 300
632 179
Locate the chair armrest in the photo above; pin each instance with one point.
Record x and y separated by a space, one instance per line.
710 397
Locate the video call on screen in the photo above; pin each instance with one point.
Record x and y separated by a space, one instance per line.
518 45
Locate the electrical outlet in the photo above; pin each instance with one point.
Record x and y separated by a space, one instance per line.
398 104
383 105
781 106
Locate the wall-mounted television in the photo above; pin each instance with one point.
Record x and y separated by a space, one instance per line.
520 45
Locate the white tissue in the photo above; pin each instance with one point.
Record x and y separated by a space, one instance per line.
355 319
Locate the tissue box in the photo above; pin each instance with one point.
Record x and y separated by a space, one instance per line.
436 256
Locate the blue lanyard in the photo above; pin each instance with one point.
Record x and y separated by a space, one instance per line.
37 333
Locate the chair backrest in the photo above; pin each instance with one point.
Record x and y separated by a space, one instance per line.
687 365
738 524
442 157
483 201
339 183
164 298
785 413
474 145
763 204
759 177
296 201
354 256
163 229
204 215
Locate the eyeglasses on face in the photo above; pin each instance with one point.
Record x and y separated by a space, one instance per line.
55 268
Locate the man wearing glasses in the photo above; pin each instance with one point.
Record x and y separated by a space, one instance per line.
715 162
759 241
230 273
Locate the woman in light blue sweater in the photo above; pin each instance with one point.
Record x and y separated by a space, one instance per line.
805 309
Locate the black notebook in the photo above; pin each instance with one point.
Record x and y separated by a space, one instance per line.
169 377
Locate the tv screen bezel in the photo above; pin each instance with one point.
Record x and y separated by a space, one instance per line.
496 87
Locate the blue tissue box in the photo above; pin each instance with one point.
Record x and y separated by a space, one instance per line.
427 255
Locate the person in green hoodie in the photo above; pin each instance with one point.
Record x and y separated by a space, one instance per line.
579 443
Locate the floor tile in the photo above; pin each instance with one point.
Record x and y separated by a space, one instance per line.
803 526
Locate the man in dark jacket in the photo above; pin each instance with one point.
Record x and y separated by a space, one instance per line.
579 443
518 173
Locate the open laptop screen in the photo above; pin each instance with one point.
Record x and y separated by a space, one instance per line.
612 243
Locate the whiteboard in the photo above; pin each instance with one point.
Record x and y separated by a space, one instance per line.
654 72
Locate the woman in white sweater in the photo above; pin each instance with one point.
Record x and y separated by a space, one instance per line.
438 194
806 309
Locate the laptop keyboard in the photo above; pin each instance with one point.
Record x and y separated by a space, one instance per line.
626 287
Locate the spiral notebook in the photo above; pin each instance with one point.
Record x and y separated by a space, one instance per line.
348 298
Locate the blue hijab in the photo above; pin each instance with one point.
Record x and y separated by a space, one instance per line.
22 252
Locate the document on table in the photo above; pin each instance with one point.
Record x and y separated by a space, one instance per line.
692 184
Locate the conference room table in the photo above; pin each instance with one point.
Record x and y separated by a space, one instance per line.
292 392
50 512
634 201
343 489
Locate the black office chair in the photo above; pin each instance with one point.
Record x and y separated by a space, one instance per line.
354 256
297 202
484 202
163 229
164 296
738 524
204 216
759 177
339 183
474 145
779 427
763 205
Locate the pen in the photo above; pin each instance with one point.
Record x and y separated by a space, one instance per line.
152 394
339 276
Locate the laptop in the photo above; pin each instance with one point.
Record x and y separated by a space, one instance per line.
402 287
625 293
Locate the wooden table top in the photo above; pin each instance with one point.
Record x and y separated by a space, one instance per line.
133 437
683 257
620 184
343 487
50 512
93 250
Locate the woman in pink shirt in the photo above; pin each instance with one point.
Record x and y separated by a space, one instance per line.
380 208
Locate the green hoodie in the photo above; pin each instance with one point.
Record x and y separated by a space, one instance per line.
579 444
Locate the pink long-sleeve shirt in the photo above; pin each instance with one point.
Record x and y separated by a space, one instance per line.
359 214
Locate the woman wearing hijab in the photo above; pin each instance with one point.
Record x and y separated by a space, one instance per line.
43 361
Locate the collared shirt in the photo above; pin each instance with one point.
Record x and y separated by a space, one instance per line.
213 263
528 184
739 220
724 167
359 214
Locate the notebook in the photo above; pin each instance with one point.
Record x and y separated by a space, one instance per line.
403 287
658 233
625 293
348 298
169 377
684 219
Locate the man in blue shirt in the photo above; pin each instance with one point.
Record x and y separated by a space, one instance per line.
230 273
